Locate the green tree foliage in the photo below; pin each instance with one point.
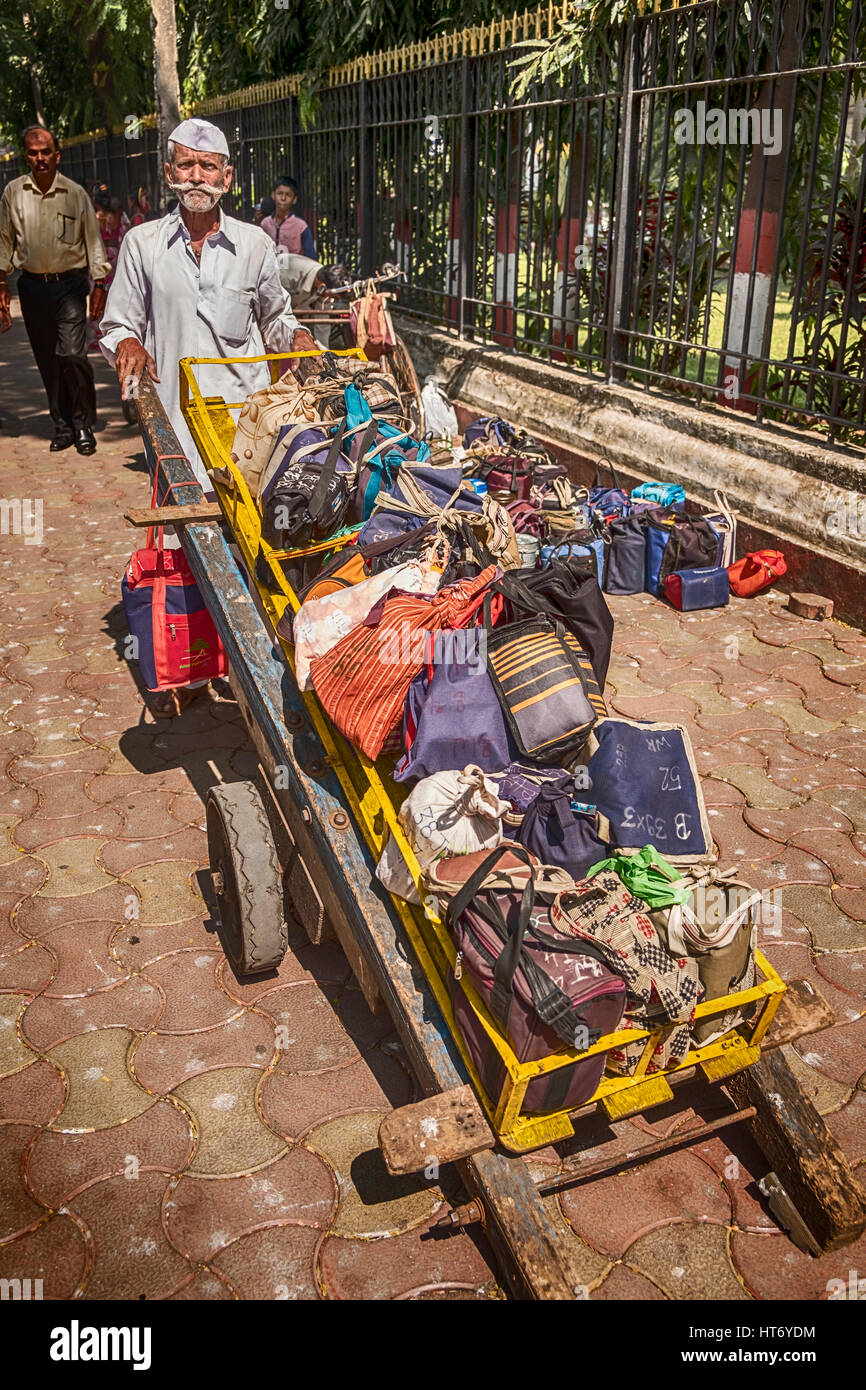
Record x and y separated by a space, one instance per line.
94 57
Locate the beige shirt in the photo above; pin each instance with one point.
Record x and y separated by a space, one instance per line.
50 232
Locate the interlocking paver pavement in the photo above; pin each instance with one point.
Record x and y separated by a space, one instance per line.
171 1131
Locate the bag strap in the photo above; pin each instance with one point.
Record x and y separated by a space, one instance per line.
164 458
607 463
508 959
325 478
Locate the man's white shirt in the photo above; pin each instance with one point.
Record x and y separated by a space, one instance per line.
231 305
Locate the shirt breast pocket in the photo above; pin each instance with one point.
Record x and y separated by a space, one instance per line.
235 315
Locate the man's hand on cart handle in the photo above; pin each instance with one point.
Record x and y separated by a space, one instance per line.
302 341
129 364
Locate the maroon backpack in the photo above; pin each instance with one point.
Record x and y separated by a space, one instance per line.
542 992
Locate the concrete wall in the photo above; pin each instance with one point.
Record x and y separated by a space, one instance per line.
790 492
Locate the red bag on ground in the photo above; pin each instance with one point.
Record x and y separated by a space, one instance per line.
755 571
362 682
176 643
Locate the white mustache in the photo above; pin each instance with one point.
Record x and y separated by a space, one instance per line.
190 187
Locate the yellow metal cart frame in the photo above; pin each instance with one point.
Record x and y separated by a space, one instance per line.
374 798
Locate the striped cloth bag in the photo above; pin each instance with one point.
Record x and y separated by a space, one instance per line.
362 682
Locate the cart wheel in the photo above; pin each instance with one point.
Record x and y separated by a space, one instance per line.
246 878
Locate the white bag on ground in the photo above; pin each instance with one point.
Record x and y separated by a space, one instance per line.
320 623
448 813
439 414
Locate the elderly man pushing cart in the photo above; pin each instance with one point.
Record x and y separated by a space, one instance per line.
197 283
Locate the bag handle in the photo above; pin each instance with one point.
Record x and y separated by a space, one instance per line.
329 468
509 957
164 458
607 463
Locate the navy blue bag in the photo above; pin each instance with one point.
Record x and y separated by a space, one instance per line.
452 716
608 501
625 557
645 781
658 533
561 831
703 588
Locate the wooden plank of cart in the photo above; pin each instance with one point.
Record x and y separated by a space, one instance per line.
311 829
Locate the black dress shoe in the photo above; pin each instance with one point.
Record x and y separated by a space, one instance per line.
63 439
85 442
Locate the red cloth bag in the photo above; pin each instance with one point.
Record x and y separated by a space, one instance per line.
362 682
176 643
755 571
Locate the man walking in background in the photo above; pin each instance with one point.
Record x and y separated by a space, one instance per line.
48 229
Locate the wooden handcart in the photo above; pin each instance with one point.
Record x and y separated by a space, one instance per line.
312 828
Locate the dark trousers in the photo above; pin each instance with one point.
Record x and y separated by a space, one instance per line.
55 316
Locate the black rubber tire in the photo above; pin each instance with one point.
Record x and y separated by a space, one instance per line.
250 904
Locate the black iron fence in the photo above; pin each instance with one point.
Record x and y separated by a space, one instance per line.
684 212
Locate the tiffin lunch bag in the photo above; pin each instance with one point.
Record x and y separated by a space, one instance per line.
724 524
692 544
452 715
716 925
560 830
663 989
176 641
362 682
304 497
660 494
542 988
644 779
756 571
582 544
687 590
566 589
450 813
625 556
608 501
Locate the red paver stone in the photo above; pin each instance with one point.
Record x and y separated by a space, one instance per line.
848 1127
277 1263
738 844
22 876
398 1265
611 1213
314 1038
136 1003
132 1255
39 915
18 1211
324 965
38 831
772 1269
34 1095
163 1060
838 852
84 962
27 968
846 970
298 1190
121 855
61 1165
852 901
194 998
291 1106
135 945
797 822
839 1052
55 1252
204 1286
148 815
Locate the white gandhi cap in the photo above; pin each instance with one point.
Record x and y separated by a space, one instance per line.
200 135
